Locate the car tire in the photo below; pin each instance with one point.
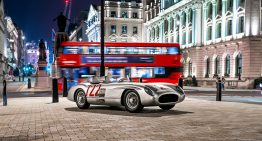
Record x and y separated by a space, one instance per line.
167 107
81 101
132 102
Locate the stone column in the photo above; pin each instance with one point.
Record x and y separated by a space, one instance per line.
234 21
198 25
187 29
223 24
194 27
214 13
252 17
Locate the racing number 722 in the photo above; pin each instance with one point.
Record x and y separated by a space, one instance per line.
93 90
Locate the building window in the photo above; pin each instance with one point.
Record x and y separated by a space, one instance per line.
241 24
218 33
238 65
124 29
190 16
217 66
229 5
210 11
184 38
135 15
209 33
184 19
190 68
241 3
165 26
227 66
124 14
190 37
219 7
229 27
207 68
134 30
113 14
177 37
113 29
171 27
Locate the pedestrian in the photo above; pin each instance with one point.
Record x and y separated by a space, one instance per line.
223 83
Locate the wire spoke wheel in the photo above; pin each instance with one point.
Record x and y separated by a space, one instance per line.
132 102
81 101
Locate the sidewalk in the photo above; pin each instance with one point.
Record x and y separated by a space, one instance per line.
25 88
189 88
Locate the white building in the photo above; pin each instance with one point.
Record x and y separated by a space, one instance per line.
218 37
2 40
123 21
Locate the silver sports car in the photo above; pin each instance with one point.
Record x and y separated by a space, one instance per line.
134 96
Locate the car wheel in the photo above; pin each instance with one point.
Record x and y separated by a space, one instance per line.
132 102
81 101
167 107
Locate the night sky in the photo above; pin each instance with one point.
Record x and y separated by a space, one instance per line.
35 17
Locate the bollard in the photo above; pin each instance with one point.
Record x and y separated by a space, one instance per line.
23 78
29 83
19 78
65 93
180 82
4 94
55 91
219 93
140 80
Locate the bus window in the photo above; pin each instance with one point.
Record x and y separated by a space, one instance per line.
173 50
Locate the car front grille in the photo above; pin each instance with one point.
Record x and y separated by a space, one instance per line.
168 98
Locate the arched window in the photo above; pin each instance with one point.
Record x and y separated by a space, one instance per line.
184 19
171 27
207 68
241 3
157 32
210 10
219 7
229 5
227 66
190 68
209 33
238 65
190 18
229 27
153 33
165 25
241 24
217 65
218 30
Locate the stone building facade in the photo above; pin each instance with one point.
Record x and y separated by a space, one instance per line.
123 21
2 40
217 37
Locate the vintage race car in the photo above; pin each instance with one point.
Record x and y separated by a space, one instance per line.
134 96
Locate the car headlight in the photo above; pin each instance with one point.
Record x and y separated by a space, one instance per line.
148 91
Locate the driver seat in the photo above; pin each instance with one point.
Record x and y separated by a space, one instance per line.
94 80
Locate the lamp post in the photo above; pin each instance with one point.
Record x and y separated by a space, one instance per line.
102 66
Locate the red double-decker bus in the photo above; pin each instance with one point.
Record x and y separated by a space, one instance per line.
153 62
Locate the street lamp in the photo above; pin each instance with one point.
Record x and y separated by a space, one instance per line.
102 66
80 39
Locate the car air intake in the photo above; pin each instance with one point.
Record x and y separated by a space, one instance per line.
168 98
